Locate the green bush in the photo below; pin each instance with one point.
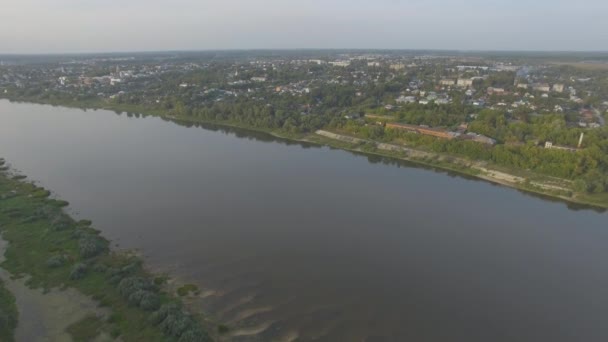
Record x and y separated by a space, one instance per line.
55 261
194 335
90 246
78 271
129 285
146 300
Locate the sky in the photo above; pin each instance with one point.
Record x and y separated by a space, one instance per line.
71 26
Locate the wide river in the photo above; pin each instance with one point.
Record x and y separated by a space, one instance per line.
291 240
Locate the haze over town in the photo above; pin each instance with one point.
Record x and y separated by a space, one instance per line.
38 26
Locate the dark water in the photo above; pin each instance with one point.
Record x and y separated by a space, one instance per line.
319 243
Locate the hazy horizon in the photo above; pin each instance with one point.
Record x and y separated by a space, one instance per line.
73 26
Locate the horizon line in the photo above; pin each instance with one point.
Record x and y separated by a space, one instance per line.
295 49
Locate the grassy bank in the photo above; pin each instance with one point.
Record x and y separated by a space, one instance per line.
8 314
55 251
533 183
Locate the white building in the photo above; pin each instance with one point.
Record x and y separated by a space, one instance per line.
406 99
464 82
447 82
340 63
558 87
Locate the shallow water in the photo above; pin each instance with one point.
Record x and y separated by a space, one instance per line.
44 316
291 240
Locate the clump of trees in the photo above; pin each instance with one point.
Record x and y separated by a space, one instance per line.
91 245
78 271
56 261
140 292
178 324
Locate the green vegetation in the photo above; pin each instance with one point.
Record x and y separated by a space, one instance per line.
86 329
8 314
55 251
187 289
298 97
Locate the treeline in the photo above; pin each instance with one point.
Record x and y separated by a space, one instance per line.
588 167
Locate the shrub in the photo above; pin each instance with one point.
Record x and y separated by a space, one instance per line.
168 309
7 321
129 285
194 335
149 301
78 271
186 289
55 261
90 246
100 268
174 322
85 223
176 325
60 222
223 329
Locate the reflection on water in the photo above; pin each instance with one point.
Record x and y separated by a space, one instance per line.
294 240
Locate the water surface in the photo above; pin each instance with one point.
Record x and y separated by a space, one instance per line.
294 240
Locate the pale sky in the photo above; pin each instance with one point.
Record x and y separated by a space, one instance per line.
55 26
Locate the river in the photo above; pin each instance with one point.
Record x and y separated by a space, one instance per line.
291 240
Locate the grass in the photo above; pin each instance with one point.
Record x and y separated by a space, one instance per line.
187 289
8 314
29 222
86 329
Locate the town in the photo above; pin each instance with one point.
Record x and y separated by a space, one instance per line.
501 109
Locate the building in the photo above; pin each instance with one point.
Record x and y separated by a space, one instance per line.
465 82
550 145
544 87
558 87
316 61
447 82
435 132
397 66
258 79
406 99
522 85
495 91
340 63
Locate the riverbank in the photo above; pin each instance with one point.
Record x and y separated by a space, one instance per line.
519 179
55 256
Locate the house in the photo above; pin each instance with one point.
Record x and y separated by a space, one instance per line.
464 82
397 66
544 87
406 99
558 87
340 63
495 91
447 82
258 79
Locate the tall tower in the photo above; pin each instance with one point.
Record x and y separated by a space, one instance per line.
580 141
